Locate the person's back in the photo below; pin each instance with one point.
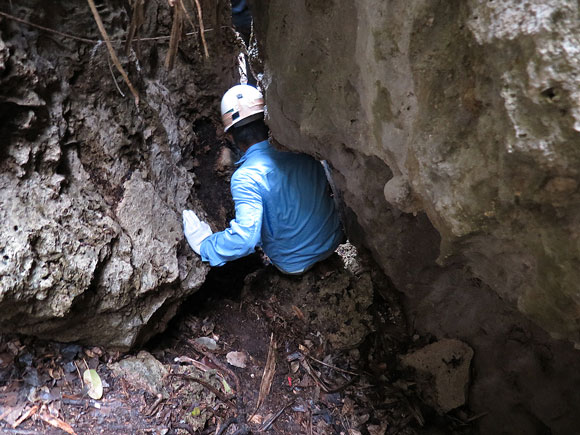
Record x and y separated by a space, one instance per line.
282 199
300 225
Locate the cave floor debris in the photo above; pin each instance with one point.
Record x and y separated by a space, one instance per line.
316 354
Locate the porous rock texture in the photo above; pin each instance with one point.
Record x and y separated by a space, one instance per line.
453 129
91 184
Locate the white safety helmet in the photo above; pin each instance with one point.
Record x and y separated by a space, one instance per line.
241 105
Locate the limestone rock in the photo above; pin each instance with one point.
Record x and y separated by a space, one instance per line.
142 371
452 128
443 369
452 111
92 186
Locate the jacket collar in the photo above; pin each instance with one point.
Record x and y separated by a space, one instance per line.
254 149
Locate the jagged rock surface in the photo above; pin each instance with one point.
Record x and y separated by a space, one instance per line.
92 185
453 130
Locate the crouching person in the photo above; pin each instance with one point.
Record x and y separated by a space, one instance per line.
282 199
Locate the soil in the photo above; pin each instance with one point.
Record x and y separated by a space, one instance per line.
338 331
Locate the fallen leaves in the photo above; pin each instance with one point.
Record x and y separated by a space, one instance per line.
56 422
29 413
93 382
237 359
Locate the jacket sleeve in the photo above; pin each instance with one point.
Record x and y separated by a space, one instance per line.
244 233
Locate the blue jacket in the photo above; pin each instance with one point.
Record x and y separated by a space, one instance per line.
283 205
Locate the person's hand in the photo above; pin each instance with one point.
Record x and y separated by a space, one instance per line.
195 231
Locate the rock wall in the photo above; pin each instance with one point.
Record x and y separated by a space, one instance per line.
452 127
91 184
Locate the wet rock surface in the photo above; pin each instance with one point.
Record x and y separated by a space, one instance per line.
92 185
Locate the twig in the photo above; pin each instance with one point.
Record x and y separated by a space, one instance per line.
201 28
269 371
56 422
217 362
111 50
79 373
29 413
272 419
322 384
332 367
153 408
218 393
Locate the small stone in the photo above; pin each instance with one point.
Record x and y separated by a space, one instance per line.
142 371
443 372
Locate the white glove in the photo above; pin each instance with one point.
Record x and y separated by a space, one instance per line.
195 230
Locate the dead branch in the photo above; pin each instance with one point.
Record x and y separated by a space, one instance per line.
269 371
56 422
111 50
29 413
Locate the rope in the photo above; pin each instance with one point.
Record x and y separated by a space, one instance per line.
93 41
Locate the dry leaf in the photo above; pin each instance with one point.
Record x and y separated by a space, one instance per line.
237 359
58 423
93 382
29 413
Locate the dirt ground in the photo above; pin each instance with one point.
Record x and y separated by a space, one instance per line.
252 352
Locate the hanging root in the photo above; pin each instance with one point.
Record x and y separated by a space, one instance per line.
201 28
111 50
175 36
137 19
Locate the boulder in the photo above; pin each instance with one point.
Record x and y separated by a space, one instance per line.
452 129
92 185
